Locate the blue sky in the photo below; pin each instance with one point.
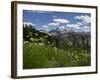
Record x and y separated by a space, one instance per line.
48 20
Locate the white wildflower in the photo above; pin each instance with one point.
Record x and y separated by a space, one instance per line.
25 42
55 48
41 44
48 42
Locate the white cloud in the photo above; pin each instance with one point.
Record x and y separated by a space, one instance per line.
75 26
79 23
61 21
44 26
53 24
85 18
28 24
86 27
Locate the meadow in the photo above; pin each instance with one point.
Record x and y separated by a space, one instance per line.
42 56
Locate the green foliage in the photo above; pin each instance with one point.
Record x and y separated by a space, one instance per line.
44 56
27 32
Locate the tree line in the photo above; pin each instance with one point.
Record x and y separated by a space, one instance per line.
73 39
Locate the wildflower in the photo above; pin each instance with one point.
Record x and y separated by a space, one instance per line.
25 42
55 48
48 42
41 44
41 38
32 39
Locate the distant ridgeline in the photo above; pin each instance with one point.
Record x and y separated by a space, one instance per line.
56 37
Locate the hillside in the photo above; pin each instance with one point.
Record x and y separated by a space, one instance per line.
55 48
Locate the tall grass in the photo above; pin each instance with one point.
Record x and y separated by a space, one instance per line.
43 56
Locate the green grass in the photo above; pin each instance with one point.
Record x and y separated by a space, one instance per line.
43 56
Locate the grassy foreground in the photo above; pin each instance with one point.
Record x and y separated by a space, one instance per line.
42 56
